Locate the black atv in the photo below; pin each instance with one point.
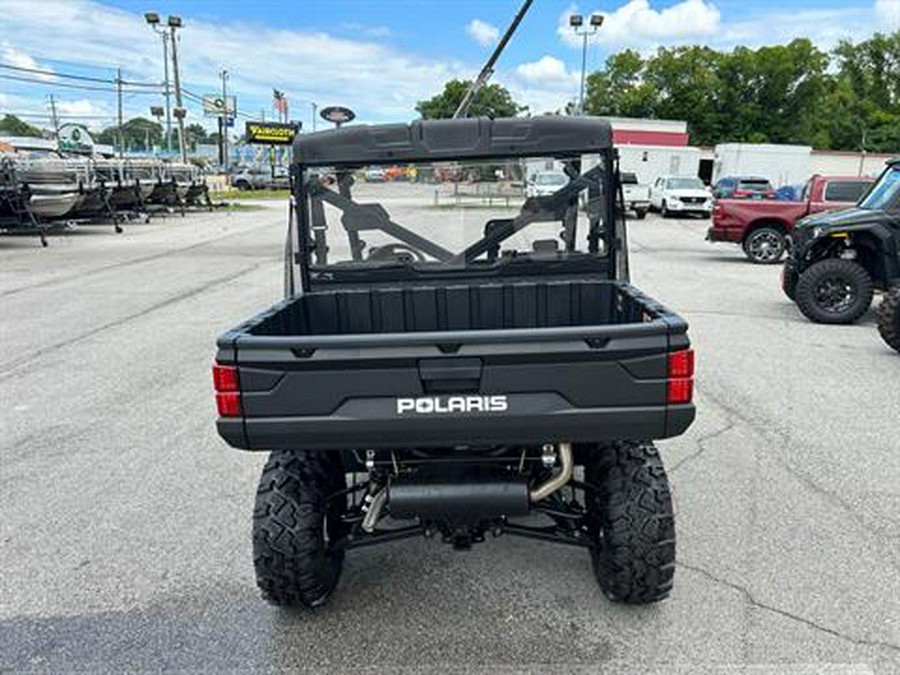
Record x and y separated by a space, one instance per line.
455 366
839 258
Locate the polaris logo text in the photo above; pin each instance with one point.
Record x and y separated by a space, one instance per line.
429 405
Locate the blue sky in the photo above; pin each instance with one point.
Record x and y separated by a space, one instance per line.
376 57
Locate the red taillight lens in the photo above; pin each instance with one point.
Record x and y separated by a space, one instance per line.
681 363
680 391
680 386
228 403
228 394
225 378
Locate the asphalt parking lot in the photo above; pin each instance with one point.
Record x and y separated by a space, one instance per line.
125 521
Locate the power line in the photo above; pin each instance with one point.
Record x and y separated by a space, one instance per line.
67 85
70 76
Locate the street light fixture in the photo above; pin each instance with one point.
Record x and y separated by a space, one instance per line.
576 23
152 19
167 33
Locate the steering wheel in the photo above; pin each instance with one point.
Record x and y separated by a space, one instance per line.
396 252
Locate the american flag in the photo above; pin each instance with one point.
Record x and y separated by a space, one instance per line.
280 103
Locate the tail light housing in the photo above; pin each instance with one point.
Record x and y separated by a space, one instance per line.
680 381
228 393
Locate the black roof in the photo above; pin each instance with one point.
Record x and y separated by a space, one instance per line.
471 138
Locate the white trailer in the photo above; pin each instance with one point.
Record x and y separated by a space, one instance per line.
781 164
649 162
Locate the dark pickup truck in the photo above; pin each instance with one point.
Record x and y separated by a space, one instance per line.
443 371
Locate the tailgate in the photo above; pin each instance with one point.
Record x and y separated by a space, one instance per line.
576 384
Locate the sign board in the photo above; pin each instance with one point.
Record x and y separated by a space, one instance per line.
75 138
214 106
271 133
337 114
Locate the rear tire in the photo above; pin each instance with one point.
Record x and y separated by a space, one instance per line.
633 525
765 246
640 214
834 291
889 319
294 527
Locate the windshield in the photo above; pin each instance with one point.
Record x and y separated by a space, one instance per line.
551 179
685 184
885 195
432 216
758 184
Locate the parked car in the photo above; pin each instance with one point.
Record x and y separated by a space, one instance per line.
761 227
375 174
260 177
789 193
458 386
743 187
680 195
636 195
839 258
544 183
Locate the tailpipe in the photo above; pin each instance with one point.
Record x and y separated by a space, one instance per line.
566 466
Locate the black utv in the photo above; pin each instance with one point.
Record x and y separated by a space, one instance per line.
839 258
451 364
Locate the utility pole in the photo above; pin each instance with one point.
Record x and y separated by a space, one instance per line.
119 107
180 115
315 109
54 120
224 118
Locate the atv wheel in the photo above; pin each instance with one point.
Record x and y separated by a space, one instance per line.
294 527
789 281
889 318
834 291
765 246
633 527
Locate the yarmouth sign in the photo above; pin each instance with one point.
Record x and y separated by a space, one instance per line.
271 133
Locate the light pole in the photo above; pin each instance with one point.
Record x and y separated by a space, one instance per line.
224 136
576 22
175 23
152 19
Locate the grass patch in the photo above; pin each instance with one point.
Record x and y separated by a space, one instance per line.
233 206
252 194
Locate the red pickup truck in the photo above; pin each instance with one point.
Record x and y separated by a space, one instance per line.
761 227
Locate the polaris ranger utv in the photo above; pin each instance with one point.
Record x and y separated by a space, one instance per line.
839 258
450 364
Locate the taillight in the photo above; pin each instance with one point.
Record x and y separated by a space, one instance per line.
228 395
680 385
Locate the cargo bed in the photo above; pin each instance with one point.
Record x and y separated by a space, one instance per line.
572 360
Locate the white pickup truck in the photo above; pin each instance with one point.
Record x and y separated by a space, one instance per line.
636 196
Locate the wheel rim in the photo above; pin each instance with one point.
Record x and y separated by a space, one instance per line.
766 246
835 294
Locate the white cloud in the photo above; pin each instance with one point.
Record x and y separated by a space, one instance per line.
13 57
377 80
637 23
82 106
546 69
482 32
888 13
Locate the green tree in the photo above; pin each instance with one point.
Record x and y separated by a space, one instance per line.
11 125
139 134
195 133
492 101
